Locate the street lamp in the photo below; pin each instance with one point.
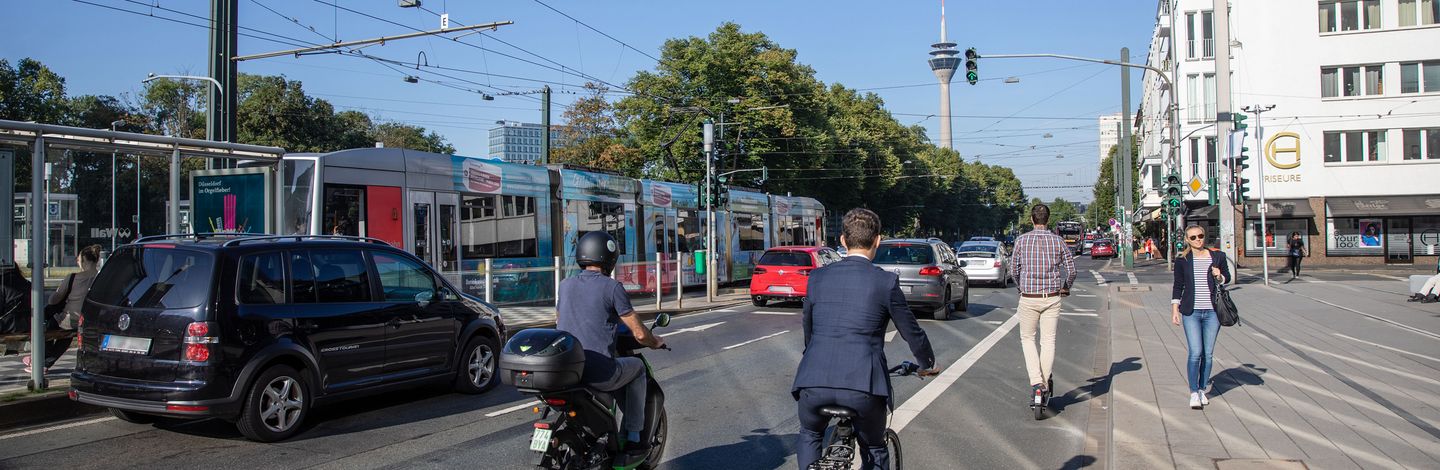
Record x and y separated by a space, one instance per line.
219 87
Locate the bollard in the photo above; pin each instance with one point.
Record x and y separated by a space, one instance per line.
490 299
679 281
559 273
659 282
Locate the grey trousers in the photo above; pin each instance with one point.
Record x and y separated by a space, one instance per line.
631 377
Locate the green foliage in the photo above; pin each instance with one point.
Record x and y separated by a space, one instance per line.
1103 207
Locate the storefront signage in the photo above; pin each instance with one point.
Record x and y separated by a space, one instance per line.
233 201
1286 155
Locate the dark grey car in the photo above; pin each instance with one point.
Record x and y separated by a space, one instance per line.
930 274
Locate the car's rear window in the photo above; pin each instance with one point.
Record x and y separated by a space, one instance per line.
905 254
976 248
785 258
149 277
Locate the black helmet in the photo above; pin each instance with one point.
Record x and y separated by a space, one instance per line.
597 249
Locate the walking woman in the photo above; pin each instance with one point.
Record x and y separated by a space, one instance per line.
1296 252
1197 269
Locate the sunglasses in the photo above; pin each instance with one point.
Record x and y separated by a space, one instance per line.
1196 237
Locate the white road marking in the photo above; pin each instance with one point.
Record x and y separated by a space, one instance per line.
512 409
1083 309
693 328
57 427
1084 295
994 322
771 335
761 312
1381 346
1372 317
890 336
1396 278
1133 280
907 411
1074 314
1098 278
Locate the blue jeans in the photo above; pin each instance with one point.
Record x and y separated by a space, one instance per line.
1201 327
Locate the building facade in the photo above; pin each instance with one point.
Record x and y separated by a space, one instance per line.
1351 148
518 142
1109 133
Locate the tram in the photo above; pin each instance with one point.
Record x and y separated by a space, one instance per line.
456 212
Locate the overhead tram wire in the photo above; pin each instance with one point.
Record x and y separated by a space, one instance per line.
602 33
173 20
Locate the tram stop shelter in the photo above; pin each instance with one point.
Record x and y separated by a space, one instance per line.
79 184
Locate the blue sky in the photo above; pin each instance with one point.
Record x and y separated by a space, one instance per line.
861 44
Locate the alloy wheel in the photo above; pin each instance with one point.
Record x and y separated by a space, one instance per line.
281 404
480 369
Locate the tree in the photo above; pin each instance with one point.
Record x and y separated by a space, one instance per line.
30 91
595 138
1103 207
399 135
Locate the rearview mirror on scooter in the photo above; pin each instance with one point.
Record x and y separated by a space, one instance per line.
662 320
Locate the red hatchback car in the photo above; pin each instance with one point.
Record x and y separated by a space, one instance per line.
1103 248
783 272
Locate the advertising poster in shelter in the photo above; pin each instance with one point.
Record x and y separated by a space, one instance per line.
230 201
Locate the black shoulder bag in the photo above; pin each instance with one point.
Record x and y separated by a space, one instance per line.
1224 307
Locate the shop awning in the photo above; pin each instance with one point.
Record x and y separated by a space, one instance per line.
1383 205
1203 213
1280 209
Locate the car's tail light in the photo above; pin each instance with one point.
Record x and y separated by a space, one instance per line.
931 271
198 341
997 263
555 401
805 272
759 270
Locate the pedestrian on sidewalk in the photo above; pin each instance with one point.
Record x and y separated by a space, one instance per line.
63 308
1297 251
1197 269
1043 270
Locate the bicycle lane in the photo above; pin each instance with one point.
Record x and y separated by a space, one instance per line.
982 418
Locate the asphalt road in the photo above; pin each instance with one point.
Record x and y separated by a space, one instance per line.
728 401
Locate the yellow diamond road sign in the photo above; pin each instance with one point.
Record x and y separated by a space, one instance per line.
1195 185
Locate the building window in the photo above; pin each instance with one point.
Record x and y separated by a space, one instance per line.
1195 157
1193 105
1351 15
1209 97
1273 238
1421 143
1190 35
1368 80
1374 80
1212 168
1155 177
1355 146
1207 33
1420 77
1355 237
1419 12
1328 79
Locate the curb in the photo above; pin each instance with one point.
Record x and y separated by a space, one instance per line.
52 405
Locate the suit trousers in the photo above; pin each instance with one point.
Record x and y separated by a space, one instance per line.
869 422
1042 314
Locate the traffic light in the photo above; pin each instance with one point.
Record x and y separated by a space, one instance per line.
1174 196
1214 192
1239 120
971 64
1242 184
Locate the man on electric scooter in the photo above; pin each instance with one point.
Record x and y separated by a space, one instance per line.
850 303
591 306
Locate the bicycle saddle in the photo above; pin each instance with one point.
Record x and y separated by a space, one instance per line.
837 411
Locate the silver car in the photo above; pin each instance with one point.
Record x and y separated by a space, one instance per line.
930 275
985 262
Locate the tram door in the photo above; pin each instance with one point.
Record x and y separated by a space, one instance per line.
434 219
663 245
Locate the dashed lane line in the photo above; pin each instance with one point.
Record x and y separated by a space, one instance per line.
1098 278
771 335
906 412
1388 348
57 427
512 409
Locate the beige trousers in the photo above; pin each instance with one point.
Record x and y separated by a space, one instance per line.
1043 315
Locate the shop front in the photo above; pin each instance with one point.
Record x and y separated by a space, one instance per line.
1284 218
1396 229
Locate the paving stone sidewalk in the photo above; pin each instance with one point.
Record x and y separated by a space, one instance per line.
1289 389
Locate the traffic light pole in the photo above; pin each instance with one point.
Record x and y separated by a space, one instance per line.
1222 126
709 211
1265 235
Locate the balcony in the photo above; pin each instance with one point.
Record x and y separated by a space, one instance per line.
1163 23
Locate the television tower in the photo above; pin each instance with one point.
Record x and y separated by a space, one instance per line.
944 61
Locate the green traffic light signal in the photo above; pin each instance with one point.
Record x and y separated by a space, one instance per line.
1239 119
972 59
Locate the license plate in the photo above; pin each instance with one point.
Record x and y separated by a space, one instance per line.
781 289
125 344
540 441
905 289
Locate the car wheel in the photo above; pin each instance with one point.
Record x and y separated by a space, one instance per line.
757 301
942 311
476 371
133 417
965 301
275 406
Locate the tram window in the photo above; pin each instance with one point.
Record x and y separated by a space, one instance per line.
510 232
477 227
752 231
344 210
298 176
596 215
688 236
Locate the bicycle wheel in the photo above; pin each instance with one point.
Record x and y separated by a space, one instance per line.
892 440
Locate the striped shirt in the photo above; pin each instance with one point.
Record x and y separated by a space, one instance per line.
1201 271
1041 263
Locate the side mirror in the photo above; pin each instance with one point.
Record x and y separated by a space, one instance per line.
662 320
424 298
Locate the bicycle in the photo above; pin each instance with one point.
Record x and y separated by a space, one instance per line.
842 446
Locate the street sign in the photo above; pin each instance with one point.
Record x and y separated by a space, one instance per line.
53 209
1195 185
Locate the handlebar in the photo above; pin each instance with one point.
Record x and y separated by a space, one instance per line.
904 369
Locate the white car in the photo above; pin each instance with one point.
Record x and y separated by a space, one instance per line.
985 262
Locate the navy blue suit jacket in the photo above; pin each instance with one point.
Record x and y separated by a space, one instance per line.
848 305
1184 287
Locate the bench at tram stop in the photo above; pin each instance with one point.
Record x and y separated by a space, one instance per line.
19 343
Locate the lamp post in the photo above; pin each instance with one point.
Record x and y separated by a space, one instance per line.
192 77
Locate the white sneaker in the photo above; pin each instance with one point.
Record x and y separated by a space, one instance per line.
1195 401
1204 400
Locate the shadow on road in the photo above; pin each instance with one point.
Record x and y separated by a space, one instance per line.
974 310
1079 461
1098 386
760 449
1234 377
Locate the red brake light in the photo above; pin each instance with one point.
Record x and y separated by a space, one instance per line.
198 341
542 425
997 263
183 408
555 401
198 328
197 352
759 270
931 271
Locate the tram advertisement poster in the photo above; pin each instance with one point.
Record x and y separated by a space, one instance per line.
230 201
478 176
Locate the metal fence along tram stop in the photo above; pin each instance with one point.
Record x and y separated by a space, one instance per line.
40 207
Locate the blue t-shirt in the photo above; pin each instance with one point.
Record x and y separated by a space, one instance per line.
589 307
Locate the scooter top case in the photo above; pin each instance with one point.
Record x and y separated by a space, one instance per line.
542 360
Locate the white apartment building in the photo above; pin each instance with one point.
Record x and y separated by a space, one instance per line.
1109 133
518 142
1351 149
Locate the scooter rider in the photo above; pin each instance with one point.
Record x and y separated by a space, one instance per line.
591 306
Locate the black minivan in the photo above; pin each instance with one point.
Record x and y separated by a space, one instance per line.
258 329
